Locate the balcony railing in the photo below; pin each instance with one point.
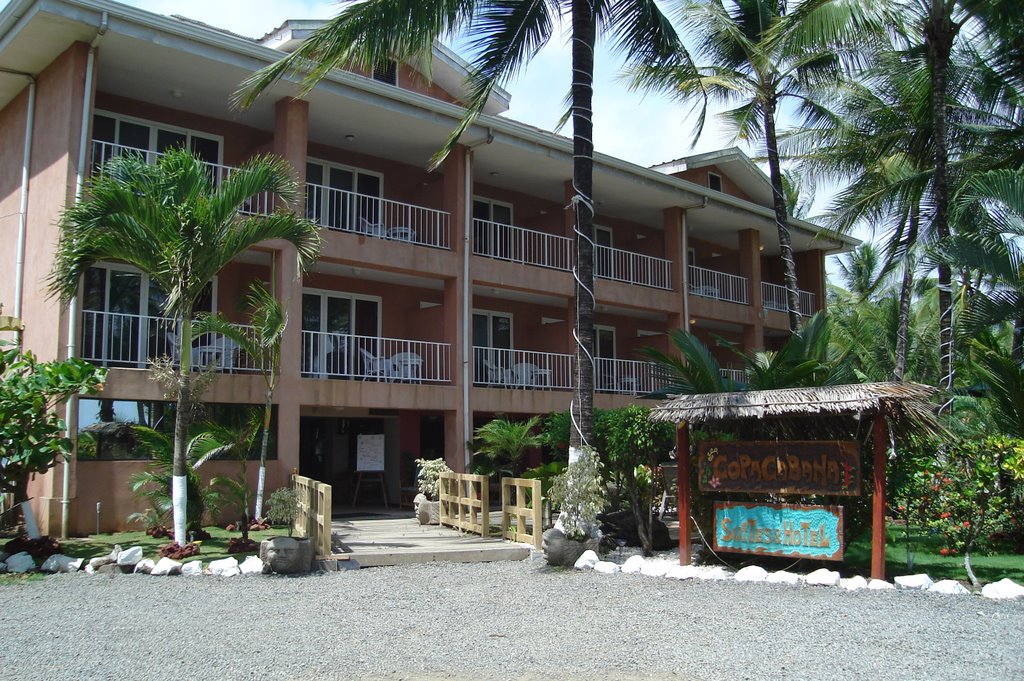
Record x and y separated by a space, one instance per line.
499 367
527 246
348 211
342 355
259 204
115 339
718 285
735 375
632 268
627 376
773 297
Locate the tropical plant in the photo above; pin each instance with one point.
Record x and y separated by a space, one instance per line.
758 55
283 507
428 480
154 483
579 495
504 35
173 222
31 434
237 442
262 342
502 442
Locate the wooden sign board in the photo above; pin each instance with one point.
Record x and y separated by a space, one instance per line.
370 453
801 467
784 530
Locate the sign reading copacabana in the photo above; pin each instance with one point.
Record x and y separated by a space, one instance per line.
800 467
779 530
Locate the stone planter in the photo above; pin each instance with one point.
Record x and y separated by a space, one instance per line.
427 512
287 555
560 551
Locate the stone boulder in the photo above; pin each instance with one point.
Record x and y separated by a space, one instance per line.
144 567
855 583
751 573
607 567
633 565
100 561
950 587
560 551
1005 588
20 562
783 577
192 568
129 558
286 555
880 585
166 566
682 572
823 577
920 582
57 563
656 568
226 567
713 573
621 525
251 566
586 561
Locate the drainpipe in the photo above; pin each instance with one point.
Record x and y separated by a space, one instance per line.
467 294
686 260
83 142
19 263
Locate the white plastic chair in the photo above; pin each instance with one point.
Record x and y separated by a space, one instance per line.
496 374
407 366
377 367
525 374
372 228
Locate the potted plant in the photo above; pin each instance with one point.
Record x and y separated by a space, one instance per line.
426 504
286 555
579 495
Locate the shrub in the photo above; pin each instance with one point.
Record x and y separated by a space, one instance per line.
429 477
283 507
579 495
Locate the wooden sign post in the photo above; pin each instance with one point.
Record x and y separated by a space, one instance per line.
683 489
878 500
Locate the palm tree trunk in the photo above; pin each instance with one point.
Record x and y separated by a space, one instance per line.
583 38
261 482
779 203
939 33
1017 349
182 421
906 289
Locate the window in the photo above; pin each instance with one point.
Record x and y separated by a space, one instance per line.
343 198
604 342
387 72
492 333
329 322
114 134
715 182
491 235
123 321
604 261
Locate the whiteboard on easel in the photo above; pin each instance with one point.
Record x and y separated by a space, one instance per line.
370 453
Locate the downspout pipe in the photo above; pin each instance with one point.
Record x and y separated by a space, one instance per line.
83 148
467 295
19 262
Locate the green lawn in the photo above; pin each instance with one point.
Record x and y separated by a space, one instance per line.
211 549
988 568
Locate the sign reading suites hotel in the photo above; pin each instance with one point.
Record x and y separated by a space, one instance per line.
779 530
805 467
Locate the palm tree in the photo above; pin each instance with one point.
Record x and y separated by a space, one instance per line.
263 344
171 221
505 35
756 63
503 441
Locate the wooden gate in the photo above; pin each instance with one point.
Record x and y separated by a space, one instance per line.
313 519
464 502
521 505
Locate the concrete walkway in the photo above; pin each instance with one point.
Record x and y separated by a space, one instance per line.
396 538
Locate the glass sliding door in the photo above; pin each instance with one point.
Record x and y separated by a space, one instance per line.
337 329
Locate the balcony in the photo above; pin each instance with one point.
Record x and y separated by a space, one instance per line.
522 369
627 377
526 246
632 268
718 285
114 339
348 356
773 297
347 211
102 152
734 375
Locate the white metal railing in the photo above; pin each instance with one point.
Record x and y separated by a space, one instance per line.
117 339
527 246
735 375
348 211
632 268
718 285
343 355
773 297
499 367
627 376
259 204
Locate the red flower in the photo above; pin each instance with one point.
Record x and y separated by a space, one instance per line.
967 523
945 515
943 552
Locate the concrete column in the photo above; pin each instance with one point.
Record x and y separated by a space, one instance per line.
810 267
457 305
291 125
673 221
750 267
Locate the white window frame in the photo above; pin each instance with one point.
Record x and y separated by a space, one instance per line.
144 283
491 203
615 340
325 293
328 165
496 313
721 183
153 125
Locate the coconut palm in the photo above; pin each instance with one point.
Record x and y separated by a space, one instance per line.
171 221
504 35
758 56
261 342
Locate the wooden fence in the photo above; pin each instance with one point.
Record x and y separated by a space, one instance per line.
521 505
313 519
464 502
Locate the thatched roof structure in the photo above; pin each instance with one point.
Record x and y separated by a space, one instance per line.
907 403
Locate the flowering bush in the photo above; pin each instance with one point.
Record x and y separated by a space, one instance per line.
429 477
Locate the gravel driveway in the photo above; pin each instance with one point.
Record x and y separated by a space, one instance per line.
495 621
